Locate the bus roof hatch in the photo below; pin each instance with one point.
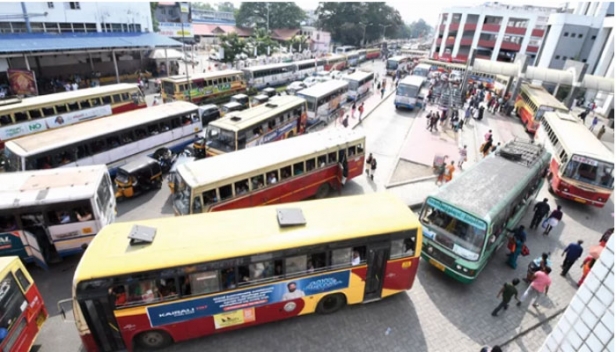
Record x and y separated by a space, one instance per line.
141 235
290 217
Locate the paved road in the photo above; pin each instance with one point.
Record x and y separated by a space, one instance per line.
419 318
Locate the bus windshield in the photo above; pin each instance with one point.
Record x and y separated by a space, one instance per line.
168 87
407 91
181 195
353 85
220 139
12 302
462 238
591 171
13 161
392 64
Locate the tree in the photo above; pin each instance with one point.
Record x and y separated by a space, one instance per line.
226 7
233 45
420 28
270 15
153 6
298 42
262 40
404 32
202 6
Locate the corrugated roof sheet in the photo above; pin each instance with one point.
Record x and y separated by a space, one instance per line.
37 42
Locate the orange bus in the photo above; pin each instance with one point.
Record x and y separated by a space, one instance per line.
582 168
240 268
44 112
532 103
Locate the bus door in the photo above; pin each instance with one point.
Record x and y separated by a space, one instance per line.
376 259
97 309
33 226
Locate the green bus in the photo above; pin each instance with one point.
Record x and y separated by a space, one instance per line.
465 221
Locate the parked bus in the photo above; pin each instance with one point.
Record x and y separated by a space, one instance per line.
414 54
352 58
287 171
489 80
362 55
466 221
340 251
408 92
360 83
269 75
324 99
23 309
532 103
281 117
582 167
335 63
344 49
500 84
422 70
397 63
114 141
31 115
306 68
202 88
373 53
46 215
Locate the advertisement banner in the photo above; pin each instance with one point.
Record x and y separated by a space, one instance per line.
184 7
22 82
61 120
171 29
242 301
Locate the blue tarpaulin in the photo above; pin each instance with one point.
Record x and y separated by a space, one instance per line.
40 42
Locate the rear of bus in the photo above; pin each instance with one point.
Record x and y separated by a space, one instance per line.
170 89
532 103
23 310
407 92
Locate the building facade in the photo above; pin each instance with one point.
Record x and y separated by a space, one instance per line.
498 32
75 17
588 321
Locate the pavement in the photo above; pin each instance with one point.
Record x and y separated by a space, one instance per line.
437 314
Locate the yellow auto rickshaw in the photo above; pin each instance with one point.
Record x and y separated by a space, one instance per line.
137 177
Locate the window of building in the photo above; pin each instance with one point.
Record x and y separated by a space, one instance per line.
50 5
566 34
580 35
74 5
584 60
557 57
593 37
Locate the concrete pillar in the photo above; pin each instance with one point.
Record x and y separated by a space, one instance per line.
167 62
600 41
529 32
482 18
27 63
438 25
573 93
499 38
445 34
456 45
592 9
556 90
91 63
115 66
608 54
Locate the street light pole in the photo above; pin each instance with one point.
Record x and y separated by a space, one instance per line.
363 40
384 27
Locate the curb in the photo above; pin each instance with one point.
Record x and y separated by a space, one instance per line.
374 108
407 182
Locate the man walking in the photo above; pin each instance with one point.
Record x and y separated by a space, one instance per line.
507 292
573 252
372 168
595 121
541 210
601 132
368 164
463 154
361 111
540 285
382 91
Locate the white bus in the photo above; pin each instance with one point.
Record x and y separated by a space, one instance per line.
114 141
324 100
49 214
408 91
422 70
359 84
352 58
306 68
362 55
269 75
397 63
344 49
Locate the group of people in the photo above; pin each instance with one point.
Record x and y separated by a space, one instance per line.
445 171
488 145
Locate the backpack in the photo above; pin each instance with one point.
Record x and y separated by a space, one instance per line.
373 164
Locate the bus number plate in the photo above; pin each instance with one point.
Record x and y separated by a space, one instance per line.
438 265
40 320
580 200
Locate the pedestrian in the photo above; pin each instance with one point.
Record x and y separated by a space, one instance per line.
553 220
345 121
440 170
507 292
353 108
361 111
518 239
463 156
378 86
449 171
494 148
368 164
541 209
583 115
573 252
382 91
495 348
480 114
486 147
460 124
595 121
539 286
538 264
146 80
434 122
372 168
586 266
601 132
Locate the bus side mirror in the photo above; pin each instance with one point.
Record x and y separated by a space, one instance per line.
61 305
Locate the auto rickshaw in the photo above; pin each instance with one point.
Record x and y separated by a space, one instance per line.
269 91
259 99
137 177
241 99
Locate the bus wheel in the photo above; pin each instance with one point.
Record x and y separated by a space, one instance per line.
331 303
153 340
323 191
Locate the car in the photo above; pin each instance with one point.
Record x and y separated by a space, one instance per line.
335 74
295 87
310 81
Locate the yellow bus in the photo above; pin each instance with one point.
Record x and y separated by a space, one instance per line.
20 117
281 117
533 102
201 88
240 268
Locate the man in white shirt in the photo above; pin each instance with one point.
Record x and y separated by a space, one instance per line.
293 292
356 259
272 179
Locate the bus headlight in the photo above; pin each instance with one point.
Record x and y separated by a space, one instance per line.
430 249
465 270
600 199
565 189
458 267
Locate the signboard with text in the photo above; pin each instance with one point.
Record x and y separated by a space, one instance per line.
171 29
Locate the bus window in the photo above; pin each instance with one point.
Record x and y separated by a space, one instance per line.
298 169
352 151
331 158
23 280
204 282
285 172
127 137
257 182
295 265
73 106
228 278
210 197
60 109
97 146
49 111
310 165
341 257
140 133
117 98
96 101
144 291
59 217
5 120
196 206
85 104
106 99
321 160
125 97
21 116
113 141
360 149
35 114
317 261
241 187
272 177
225 192
153 129
404 247
7 223
175 122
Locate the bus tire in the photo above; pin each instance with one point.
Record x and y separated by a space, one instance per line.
331 303
323 191
153 340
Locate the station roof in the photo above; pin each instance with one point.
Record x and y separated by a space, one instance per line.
46 42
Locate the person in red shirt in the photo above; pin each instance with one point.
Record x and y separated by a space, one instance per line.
540 285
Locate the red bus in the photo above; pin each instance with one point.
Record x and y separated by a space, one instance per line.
582 167
373 53
241 268
532 103
335 62
23 310
281 172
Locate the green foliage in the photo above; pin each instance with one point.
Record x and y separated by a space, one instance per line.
153 6
262 39
420 28
226 7
233 45
279 15
298 41
346 21
205 6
